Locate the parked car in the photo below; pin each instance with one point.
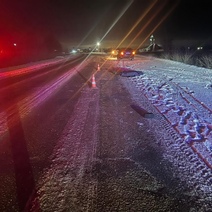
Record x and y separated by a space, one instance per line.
126 53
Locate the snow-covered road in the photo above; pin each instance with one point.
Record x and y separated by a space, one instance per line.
97 159
111 158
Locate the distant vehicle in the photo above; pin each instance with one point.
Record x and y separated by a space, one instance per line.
126 53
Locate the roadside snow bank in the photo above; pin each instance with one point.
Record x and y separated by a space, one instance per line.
179 92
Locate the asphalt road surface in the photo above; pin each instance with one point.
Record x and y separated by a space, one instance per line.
35 109
71 145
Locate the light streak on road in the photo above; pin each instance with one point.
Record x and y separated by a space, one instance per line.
38 97
26 70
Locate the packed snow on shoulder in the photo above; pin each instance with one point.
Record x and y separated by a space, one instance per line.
182 94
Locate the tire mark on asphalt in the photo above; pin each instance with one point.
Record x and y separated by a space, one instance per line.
62 186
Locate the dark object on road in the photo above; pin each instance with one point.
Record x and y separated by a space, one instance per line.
142 111
125 72
126 53
130 73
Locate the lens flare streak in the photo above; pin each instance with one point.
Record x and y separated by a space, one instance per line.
35 99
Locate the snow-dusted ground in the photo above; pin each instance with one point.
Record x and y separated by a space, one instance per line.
61 184
183 94
180 93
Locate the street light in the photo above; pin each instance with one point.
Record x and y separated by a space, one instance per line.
98 44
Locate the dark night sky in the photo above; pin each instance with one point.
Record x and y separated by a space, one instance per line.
84 22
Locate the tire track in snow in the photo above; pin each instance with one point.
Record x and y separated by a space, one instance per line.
192 168
186 120
66 184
